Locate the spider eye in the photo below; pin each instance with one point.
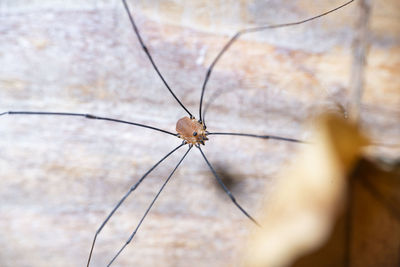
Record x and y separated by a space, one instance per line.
194 133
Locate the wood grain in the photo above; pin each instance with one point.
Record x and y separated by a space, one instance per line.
59 177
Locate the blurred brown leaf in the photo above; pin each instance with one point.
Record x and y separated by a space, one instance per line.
307 222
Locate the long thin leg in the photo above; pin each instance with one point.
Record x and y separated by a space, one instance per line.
148 209
249 30
260 136
150 58
226 189
87 116
123 199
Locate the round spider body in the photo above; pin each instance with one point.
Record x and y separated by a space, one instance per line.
191 130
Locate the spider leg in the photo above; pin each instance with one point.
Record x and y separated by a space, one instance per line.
87 116
219 180
146 50
250 30
123 199
148 209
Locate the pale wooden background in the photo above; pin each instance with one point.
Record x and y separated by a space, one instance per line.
59 177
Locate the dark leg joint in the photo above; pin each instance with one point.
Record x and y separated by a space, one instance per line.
90 116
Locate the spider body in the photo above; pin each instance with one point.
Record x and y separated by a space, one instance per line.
192 131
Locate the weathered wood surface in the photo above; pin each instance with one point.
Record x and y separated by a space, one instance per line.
59 177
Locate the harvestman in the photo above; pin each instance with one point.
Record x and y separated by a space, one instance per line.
193 132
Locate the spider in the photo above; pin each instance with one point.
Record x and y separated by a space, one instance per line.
193 131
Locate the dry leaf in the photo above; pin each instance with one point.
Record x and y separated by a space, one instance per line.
309 197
